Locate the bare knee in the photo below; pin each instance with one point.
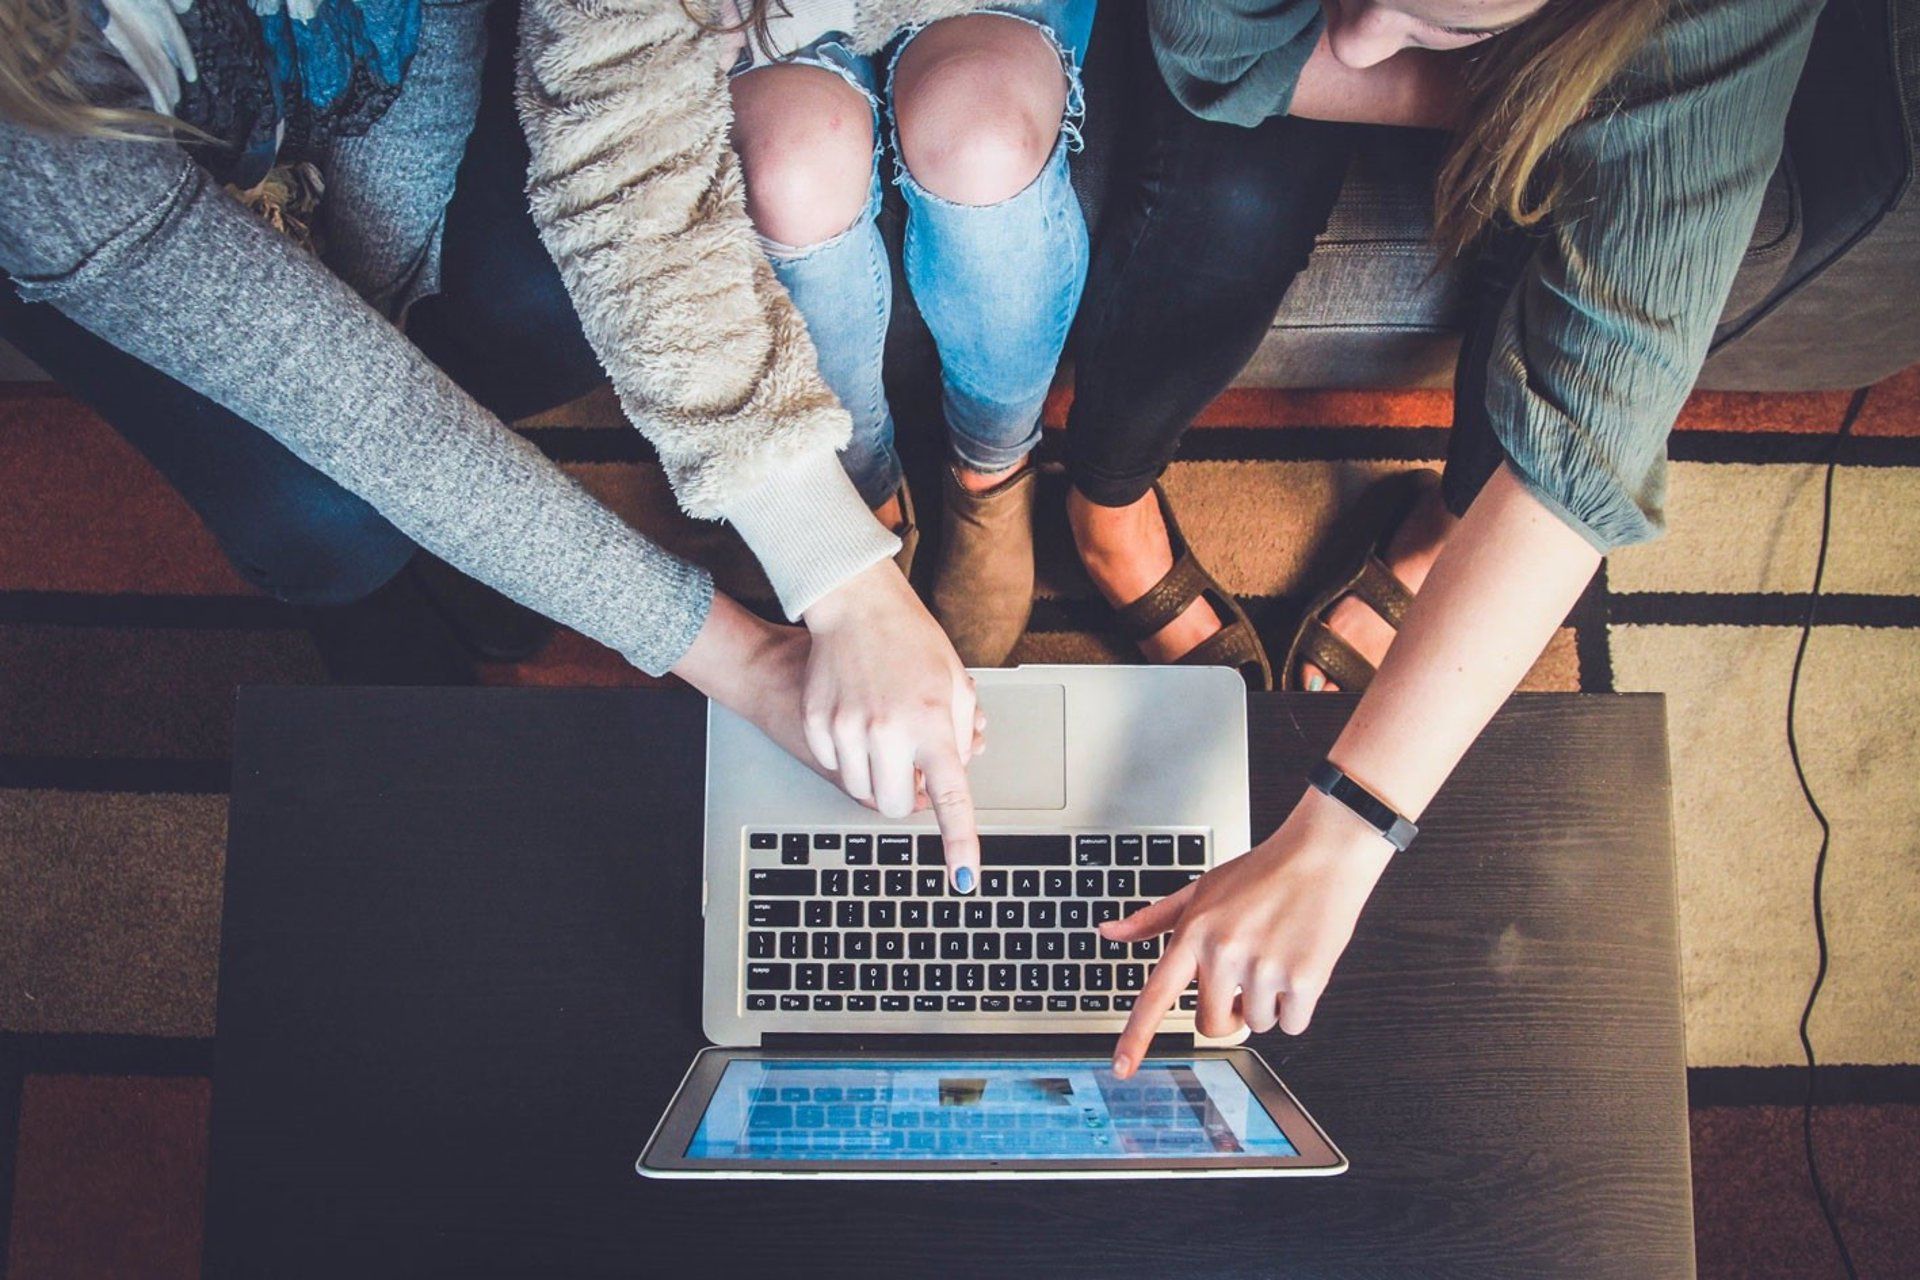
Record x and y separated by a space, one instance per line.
805 141
978 101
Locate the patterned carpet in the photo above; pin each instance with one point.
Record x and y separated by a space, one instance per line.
123 633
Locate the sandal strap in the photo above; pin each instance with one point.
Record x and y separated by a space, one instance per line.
1381 591
1166 599
1323 647
1234 645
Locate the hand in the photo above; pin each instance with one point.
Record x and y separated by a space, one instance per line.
1262 932
756 669
890 709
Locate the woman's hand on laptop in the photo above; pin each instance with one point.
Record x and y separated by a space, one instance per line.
1261 933
888 707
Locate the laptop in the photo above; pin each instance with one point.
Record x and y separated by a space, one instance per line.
870 1022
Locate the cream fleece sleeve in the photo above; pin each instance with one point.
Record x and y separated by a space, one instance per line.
638 196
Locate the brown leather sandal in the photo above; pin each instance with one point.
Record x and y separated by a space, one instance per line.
1372 583
1236 644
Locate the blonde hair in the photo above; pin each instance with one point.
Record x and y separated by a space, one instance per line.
1524 91
38 39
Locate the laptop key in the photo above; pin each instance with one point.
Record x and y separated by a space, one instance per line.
1105 911
873 977
1057 884
1080 946
773 915
1062 1004
1089 884
953 946
857 946
1128 851
1099 977
763 840
1019 946
1092 851
883 915
928 851
1041 915
1093 1004
928 1004
994 884
979 915
782 882
833 882
889 946
1050 946
913 915
866 883
1160 851
792 1004
1193 851
1111 950
809 977
826 839
920 946
1027 1004
793 946
894 851
760 946
795 849
899 883
1075 915
1132 976
827 1004
1122 1004
970 977
929 884
993 1004
1026 884
906 977
860 1004
1189 1001
1158 884
946 913
1000 977
1121 884
1025 851
840 977
1033 977
893 1004
859 851
986 946
760 1002
769 977
1010 915
1147 948
826 946
819 913
961 1004
1066 977
938 977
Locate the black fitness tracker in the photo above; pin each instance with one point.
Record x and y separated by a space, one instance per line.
1327 779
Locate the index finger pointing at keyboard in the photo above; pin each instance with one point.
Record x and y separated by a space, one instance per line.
1170 978
952 801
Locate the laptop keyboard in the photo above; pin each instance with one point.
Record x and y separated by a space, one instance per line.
859 922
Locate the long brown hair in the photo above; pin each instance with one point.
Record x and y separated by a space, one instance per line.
38 40
1524 91
753 16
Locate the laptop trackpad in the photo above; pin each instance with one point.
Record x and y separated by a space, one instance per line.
1025 763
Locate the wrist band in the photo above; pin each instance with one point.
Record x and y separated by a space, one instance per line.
1327 779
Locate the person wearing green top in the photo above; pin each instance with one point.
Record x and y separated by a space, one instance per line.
1606 169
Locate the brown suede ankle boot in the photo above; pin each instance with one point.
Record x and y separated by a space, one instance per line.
983 585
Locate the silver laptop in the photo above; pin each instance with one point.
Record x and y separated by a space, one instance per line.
1103 789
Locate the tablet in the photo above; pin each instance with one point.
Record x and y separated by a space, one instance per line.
792 1113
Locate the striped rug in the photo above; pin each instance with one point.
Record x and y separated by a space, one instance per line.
123 633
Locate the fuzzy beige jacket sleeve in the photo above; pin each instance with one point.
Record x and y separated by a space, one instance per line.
638 196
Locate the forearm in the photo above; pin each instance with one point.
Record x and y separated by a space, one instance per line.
1416 88
1504 582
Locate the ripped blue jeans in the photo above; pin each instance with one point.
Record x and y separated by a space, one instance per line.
997 284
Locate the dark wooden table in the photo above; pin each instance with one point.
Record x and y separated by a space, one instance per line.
460 979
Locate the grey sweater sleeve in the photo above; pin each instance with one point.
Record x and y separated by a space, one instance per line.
133 242
1602 340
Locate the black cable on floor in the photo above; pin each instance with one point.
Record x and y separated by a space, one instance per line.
1826 832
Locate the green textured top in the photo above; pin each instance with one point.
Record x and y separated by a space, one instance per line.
1602 340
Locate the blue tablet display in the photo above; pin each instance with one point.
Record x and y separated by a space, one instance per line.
1024 1109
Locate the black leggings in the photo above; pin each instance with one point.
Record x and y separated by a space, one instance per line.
1209 225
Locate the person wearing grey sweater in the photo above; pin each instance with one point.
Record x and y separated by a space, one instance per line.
134 240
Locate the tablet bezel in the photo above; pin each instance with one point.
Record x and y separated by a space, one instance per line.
664 1155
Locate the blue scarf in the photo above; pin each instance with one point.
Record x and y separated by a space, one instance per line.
269 79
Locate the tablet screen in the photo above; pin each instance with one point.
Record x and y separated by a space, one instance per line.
998 1110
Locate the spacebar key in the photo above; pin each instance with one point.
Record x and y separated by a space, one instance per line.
1026 851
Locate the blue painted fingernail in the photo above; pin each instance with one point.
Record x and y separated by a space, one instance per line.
963 879
1315 683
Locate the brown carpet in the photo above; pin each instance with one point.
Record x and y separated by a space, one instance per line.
123 633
